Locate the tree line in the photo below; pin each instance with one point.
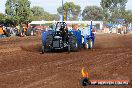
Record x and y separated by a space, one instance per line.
20 11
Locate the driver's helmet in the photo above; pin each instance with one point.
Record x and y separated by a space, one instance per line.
62 26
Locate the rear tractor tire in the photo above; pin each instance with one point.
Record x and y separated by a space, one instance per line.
73 43
48 43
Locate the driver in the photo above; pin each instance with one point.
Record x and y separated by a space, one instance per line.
63 31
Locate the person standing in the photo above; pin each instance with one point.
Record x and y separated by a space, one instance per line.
1 31
21 30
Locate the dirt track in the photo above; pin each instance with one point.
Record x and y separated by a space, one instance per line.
23 66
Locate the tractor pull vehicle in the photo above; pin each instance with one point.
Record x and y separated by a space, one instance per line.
62 38
58 39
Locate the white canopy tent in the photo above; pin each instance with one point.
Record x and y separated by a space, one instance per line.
72 22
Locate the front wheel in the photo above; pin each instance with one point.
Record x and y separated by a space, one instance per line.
32 33
89 44
43 49
69 48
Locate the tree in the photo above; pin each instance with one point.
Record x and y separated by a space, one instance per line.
128 16
39 14
56 17
92 13
72 10
18 10
50 17
24 11
37 11
111 4
112 8
2 18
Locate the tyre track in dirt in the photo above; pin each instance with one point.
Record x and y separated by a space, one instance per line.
62 62
59 62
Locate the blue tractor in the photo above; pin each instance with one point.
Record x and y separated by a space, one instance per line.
62 38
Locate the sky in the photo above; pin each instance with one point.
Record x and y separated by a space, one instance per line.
52 5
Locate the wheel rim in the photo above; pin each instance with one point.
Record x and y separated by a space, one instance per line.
76 45
87 45
32 33
68 48
42 49
91 44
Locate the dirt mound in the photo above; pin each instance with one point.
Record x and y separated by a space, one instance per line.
12 44
32 48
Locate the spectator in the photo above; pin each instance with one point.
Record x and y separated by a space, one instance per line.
1 31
